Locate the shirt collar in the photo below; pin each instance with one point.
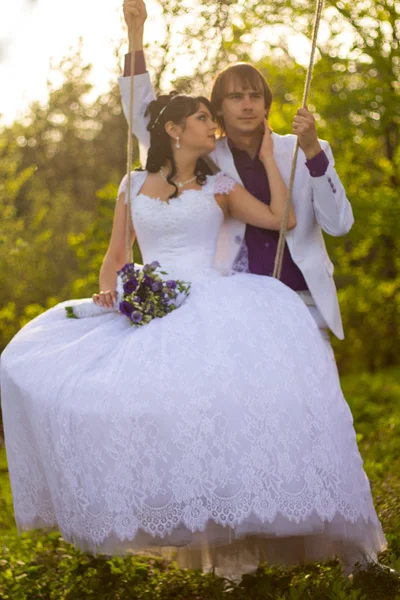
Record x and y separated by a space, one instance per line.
235 150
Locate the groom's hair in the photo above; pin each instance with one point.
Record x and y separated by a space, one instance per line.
244 76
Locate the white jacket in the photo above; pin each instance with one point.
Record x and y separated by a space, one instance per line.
320 203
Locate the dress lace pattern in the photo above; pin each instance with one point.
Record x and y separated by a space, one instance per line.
226 412
241 264
222 184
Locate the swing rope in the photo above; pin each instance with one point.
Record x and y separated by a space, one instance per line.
283 232
128 226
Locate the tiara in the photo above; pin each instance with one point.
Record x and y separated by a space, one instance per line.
159 115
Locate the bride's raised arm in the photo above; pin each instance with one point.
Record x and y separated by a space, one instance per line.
243 206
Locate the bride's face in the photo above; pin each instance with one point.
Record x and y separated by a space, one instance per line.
198 134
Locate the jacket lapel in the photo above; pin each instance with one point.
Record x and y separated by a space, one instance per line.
224 159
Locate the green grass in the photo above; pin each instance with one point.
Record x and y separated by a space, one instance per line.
38 566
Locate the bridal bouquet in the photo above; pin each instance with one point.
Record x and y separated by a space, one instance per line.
146 295
142 295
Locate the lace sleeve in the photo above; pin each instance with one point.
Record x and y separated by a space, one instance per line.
137 180
223 184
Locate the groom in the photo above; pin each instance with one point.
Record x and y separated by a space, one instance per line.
242 99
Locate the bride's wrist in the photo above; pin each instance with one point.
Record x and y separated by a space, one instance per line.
268 160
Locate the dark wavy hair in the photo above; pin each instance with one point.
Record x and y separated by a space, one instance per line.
176 108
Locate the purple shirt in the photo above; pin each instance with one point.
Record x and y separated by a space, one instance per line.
262 244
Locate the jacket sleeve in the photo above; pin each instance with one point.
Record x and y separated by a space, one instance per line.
332 208
143 95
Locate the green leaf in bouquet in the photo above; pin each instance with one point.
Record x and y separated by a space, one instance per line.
70 312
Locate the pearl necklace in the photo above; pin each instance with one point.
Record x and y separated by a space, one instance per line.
180 184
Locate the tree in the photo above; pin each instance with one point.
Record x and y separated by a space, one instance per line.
53 163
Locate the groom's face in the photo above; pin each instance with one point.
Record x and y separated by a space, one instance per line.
243 109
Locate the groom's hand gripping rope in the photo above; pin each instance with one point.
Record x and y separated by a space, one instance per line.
304 127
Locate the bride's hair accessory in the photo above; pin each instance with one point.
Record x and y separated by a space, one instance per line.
159 115
168 99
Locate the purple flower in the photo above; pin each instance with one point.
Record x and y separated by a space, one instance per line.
157 286
154 265
171 284
136 299
147 280
131 285
146 268
126 269
136 317
126 308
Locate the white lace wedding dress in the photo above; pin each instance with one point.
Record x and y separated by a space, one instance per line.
220 429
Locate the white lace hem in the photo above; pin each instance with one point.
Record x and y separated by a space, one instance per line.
250 543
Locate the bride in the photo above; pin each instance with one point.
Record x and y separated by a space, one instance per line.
219 430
